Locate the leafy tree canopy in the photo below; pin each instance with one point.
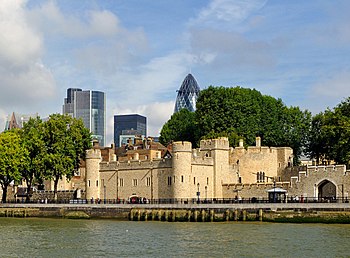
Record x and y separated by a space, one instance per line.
180 127
244 113
33 141
13 156
66 140
330 135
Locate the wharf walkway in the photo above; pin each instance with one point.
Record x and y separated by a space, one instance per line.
242 206
192 212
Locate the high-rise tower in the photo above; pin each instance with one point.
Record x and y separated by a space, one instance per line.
129 124
187 94
90 106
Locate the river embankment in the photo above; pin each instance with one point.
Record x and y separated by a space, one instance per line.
268 212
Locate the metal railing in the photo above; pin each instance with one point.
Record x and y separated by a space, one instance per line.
183 201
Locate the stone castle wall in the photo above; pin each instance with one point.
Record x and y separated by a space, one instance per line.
188 173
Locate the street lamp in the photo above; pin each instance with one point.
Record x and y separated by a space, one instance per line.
104 193
198 193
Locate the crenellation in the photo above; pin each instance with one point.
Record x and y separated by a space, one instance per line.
182 147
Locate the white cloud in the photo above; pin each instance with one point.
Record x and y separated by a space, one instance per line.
18 42
227 11
24 80
49 18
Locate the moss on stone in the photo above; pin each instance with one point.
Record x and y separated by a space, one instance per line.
76 215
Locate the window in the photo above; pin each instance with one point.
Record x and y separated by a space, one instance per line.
121 182
89 183
182 179
169 180
194 180
134 182
96 182
260 177
207 180
174 179
148 181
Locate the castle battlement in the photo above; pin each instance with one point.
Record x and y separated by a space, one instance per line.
261 186
254 150
135 164
220 143
93 154
182 146
327 169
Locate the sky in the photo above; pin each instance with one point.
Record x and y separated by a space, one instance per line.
139 51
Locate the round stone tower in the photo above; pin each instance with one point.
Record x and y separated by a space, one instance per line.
92 174
182 158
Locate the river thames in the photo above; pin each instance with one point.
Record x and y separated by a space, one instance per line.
33 237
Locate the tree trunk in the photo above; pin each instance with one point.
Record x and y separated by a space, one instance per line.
4 193
29 186
55 189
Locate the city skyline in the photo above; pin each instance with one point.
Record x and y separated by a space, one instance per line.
138 52
127 125
90 106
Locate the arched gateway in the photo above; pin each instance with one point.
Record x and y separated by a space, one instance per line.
327 190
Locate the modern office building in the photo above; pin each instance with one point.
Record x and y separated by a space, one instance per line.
187 94
125 124
90 106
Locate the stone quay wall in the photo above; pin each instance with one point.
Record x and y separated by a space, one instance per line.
289 212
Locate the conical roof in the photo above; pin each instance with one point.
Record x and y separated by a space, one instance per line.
187 94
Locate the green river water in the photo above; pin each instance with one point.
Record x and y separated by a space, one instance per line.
34 237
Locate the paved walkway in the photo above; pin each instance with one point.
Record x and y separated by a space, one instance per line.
272 206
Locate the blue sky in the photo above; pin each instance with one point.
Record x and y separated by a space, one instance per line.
139 51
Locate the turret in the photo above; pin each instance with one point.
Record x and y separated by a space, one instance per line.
219 149
93 159
182 158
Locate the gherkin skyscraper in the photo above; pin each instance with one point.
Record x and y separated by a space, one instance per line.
187 94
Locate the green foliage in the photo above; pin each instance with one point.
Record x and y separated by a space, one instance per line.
12 158
247 113
180 127
316 147
330 135
32 140
297 126
66 140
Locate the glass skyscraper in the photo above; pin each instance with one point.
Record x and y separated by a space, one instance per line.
187 94
90 106
124 124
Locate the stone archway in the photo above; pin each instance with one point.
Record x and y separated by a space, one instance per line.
327 190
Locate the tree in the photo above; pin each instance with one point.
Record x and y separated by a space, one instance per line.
296 129
12 157
33 140
337 131
247 113
180 127
316 147
66 141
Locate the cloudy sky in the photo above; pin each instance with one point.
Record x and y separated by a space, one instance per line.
139 51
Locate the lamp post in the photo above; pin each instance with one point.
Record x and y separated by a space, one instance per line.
104 193
206 193
198 193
